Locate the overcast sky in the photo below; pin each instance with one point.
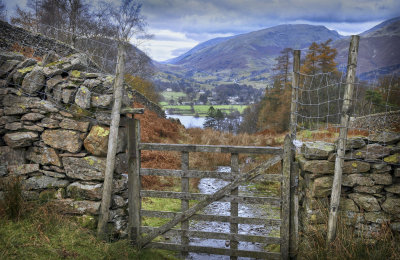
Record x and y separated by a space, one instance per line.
179 25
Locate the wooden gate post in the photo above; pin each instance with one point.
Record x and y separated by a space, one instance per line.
285 190
185 204
341 149
134 180
234 205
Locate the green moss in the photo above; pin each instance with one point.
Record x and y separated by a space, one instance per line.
87 221
394 158
89 160
75 73
54 63
26 70
100 131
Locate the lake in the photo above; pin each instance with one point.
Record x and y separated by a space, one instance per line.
189 121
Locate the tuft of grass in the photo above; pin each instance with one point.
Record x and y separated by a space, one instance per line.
13 202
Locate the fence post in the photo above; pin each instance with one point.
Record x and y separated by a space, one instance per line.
112 143
134 180
234 205
184 204
294 178
285 190
341 149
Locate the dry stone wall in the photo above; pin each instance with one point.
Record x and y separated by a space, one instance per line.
54 127
370 187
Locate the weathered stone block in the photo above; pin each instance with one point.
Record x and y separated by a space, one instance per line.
381 178
348 205
355 167
317 150
366 202
97 140
32 117
34 81
372 152
21 169
118 201
10 156
20 139
74 125
67 140
43 155
49 123
13 126
394 158
43 182
322 187
369 189
102 101
87 168
71 206
392 205
377 217
385 137
359 179
83 97
355 143
85 190
395 188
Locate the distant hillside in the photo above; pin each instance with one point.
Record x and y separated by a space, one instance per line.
246 57
379 51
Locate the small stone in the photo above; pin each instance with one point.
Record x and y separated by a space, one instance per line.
376 217
49 123
322 187
355 143
78 155
13 126
50 57
348 205
85 190
368 189
359 179
68 95
101 101
32 117
53 174
87 168
22 169
33 81
67 140
317 150
355 167
10 156
74 125
395 188
395 226
66 114
43 182
392 205
7 66
397 172
380 168
34 128
97 140
82 98
381 178
70 206
43 156
366 202
318 166
8 119
20 139
54 81
118 201
372 152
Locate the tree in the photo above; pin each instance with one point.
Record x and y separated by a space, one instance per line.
310 66
219 118
143 86
282 67
210 121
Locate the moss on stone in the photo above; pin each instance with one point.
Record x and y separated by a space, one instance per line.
89 160
75 73
54 63
26 70
100 131
394 158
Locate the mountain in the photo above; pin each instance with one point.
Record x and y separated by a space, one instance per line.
245 58
379 51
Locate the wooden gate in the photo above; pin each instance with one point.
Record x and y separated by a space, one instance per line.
143 236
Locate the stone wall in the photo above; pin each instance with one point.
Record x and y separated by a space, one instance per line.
370 187
54 127
377 122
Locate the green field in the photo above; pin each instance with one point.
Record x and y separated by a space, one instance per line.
202 110
168 95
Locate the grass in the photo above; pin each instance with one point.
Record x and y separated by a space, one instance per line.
168 95
41 233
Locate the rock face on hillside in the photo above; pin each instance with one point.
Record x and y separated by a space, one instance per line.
54 128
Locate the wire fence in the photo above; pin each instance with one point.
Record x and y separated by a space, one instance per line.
375 112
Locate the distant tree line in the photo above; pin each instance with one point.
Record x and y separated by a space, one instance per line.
217 120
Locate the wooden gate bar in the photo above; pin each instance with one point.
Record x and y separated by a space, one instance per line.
203 174
234 205
220 236
217 251
211 148
218 218
285 190
184 204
